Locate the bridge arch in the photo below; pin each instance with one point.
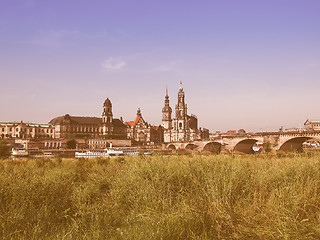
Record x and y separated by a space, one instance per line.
191 146
171 147
213 147
294 144
245 146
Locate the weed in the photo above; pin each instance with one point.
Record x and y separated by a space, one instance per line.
162 197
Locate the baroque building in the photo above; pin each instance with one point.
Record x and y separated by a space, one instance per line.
142 132
26 130
183 127
76 127
312 125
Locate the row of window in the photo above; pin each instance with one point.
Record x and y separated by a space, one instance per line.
85 129
10 135
99 146
94 142
29 130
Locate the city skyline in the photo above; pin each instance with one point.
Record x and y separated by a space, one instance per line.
243 64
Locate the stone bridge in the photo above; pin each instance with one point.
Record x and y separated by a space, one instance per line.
286 142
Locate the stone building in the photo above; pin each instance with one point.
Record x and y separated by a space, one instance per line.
26 130
78 127
99 144
312 125
142 132
183 127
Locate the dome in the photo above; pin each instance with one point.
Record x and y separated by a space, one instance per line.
107 102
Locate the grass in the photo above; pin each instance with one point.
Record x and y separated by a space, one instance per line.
162 197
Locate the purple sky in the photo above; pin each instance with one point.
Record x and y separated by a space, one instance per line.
244 64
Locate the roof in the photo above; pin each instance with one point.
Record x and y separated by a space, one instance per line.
232 131
133 123
312 121
107 102
157 127
11 124
117 123
78 120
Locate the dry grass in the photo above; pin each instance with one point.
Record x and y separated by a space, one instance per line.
162 197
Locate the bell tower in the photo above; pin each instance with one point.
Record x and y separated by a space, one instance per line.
166 113
181 111
107 117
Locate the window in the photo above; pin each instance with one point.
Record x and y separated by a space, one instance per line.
180 125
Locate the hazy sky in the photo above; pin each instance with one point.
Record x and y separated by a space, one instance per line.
252 64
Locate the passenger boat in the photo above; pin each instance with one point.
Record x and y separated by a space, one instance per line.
19 152
110 152
257 147
31 152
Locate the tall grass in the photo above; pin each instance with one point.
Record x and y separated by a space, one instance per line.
162 197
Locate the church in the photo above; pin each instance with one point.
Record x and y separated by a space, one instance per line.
183 127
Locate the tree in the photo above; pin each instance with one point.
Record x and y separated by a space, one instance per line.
4 149
267 147
72 144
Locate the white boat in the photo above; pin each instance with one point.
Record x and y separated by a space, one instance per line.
19 152
109 152
130 151
257 147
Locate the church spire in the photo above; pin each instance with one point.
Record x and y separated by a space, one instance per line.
166 112
139 112
166 98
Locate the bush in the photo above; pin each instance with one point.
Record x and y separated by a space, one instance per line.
267 147
4 149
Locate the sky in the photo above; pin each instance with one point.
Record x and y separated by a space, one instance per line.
243 63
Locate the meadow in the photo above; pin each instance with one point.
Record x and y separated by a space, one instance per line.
162 197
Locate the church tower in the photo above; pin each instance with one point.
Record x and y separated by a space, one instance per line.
181 111
166 113
107 117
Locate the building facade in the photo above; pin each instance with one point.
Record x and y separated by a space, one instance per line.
99 144
26 130
142 132
78 127
312 125
183 127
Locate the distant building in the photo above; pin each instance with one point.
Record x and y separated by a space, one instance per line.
183 127
294 129
26 130
231 132
242 132
100 143
76 127
312 125
141 132
205 133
